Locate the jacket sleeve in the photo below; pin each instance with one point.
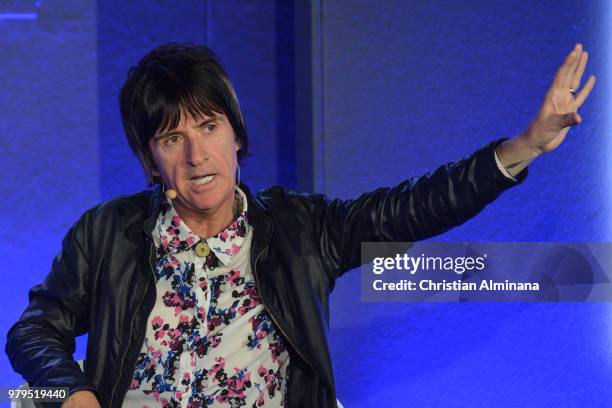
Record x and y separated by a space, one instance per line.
414 210
40 345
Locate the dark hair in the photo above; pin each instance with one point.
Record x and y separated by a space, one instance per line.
172 79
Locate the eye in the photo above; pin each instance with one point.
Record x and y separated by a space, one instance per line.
172 140
210 127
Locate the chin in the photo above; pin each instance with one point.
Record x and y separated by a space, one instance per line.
204 203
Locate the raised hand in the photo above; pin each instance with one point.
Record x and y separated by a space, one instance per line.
559 110
558 113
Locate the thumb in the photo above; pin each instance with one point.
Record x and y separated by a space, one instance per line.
568 119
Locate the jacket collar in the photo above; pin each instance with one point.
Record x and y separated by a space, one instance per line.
261 222
152 212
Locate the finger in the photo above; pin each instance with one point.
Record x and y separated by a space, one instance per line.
575 63
585 91
561 77
580 70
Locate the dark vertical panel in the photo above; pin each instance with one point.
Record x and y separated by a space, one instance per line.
285 93
318 95
126 31
304 114
243 34
309 96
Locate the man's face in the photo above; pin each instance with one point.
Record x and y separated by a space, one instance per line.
198 160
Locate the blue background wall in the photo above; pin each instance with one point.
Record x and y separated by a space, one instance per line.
340 97
408 85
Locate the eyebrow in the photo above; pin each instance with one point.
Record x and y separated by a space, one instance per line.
176 132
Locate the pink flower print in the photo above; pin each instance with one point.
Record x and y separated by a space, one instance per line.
215 341
164 242
189 241
135 384
159 334
173 299
223 236
233 250
156 322
176 220
260 399
179 395
232 278
277 348
156 395
183 319
175 344
236 385
219 365
214 322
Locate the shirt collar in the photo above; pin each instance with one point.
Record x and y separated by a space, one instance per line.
172 235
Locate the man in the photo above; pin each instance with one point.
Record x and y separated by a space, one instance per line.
199 293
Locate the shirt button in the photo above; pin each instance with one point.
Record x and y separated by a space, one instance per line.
202 249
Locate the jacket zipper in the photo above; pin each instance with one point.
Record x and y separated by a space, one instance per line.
130 336
276 322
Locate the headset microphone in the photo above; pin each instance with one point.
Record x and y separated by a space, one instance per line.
171 194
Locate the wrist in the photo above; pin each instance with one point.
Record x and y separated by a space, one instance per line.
522 145
516 153
518 148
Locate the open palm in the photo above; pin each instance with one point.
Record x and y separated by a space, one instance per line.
559 111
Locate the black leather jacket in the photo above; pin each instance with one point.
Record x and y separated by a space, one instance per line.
102 282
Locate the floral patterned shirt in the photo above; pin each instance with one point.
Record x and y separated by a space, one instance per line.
209 341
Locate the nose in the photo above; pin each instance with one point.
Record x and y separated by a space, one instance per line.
195 152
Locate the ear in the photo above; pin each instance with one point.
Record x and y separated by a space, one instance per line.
237 145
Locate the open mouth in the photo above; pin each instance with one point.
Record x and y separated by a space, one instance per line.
200 180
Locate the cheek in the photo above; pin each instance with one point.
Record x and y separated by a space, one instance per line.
155 159
164 165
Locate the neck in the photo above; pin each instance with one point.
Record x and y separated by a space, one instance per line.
207 223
